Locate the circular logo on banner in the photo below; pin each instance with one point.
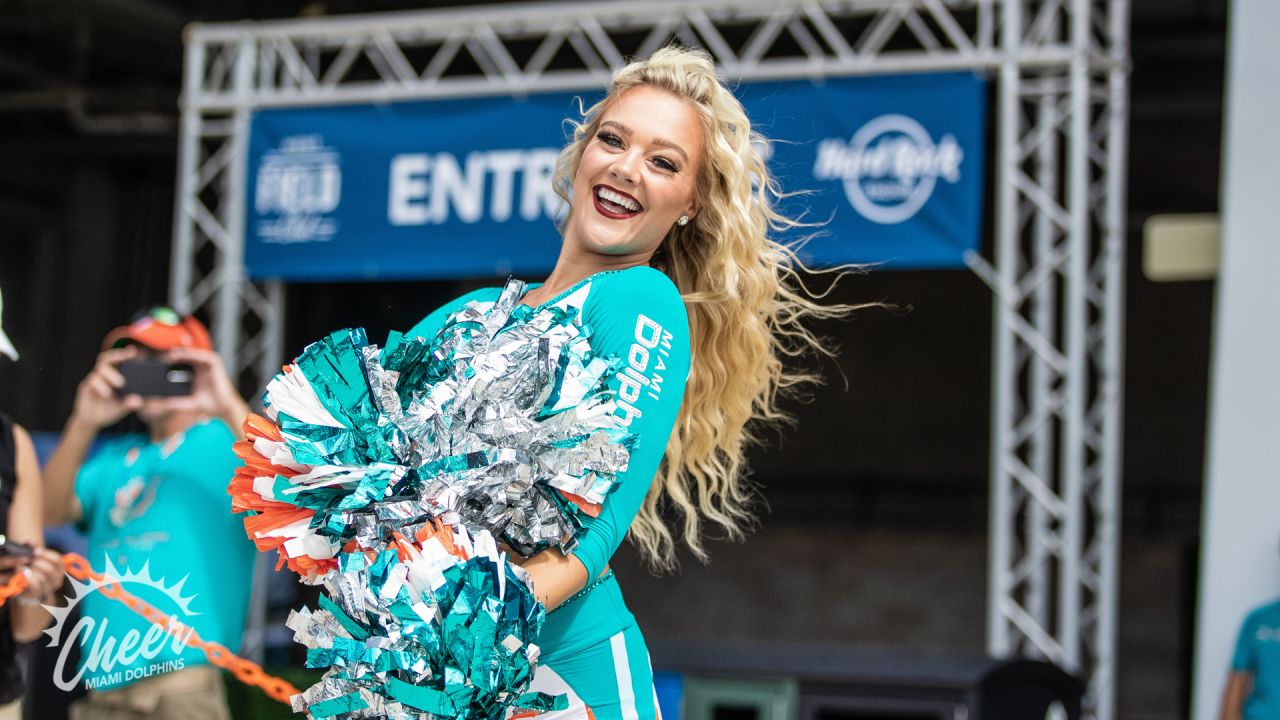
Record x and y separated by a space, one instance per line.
889 167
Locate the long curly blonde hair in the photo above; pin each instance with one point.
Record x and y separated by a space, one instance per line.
746 304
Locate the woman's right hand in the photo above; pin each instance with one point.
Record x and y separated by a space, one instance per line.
43 570
97 404
9 566
44 575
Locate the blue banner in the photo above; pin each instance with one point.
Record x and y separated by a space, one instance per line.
892 166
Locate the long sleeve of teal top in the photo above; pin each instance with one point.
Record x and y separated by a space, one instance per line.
636 315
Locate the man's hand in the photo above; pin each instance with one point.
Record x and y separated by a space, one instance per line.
212 392
97 404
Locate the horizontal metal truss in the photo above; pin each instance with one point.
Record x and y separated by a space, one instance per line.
1057 271
520 49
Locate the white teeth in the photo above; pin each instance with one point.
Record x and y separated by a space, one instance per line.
617 199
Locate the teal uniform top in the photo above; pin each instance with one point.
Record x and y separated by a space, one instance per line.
637 315
1258 653
161 511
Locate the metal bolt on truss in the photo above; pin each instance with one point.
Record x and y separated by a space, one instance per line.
1061 68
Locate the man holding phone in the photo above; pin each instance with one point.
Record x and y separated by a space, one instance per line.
156 499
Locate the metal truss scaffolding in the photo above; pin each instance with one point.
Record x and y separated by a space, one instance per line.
1057 269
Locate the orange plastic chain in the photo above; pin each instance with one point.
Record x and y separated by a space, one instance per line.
246 671
15 586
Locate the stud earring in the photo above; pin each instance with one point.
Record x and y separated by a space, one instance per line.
684 220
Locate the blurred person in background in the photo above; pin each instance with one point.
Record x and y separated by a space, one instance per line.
156 501
22 550
1253 687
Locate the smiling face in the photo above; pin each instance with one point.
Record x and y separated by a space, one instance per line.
636 176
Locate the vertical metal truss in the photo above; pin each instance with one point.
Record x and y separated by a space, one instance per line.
207 275
1059 279
1062 71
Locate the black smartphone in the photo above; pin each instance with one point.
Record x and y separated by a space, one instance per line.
10 548
155 378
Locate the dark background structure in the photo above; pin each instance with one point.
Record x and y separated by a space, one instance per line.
875 532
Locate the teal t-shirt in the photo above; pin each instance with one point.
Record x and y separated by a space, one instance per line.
163 507
635 314
1258 653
